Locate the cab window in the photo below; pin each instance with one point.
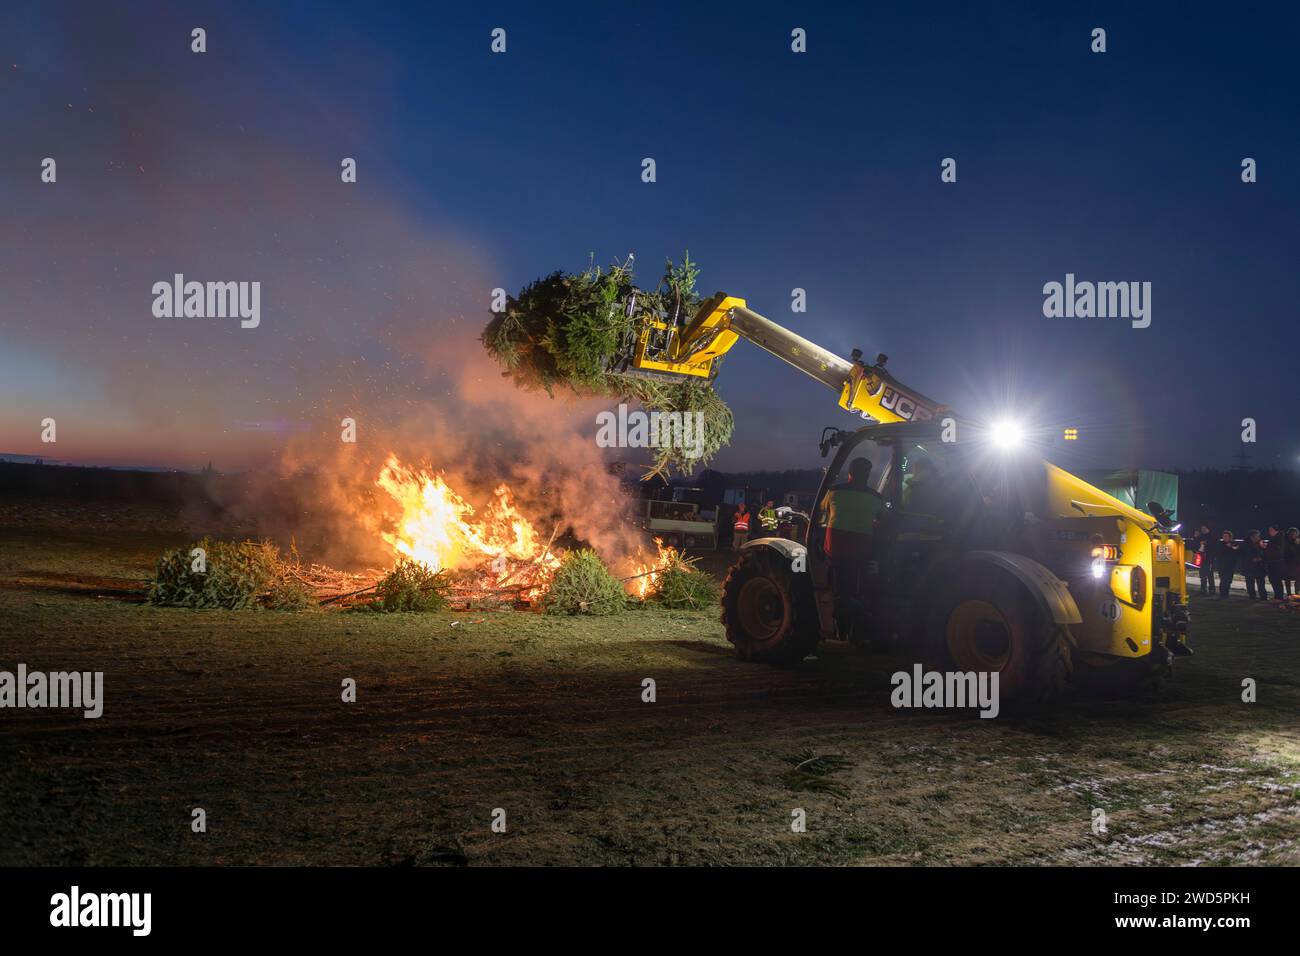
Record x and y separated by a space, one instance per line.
928 473
881 458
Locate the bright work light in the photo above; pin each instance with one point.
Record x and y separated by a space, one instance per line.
1006 434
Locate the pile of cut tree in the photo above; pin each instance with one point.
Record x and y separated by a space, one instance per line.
574 331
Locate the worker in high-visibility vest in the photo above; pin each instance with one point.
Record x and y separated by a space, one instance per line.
740 529
850 511
768 517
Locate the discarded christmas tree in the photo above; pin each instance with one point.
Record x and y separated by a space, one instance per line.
683 586
574 331
583 585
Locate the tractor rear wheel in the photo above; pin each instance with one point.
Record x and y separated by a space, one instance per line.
768 609
986 621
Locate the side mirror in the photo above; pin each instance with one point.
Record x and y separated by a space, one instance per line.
1164 518
831 436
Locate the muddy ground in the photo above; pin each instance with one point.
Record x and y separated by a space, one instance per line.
458 714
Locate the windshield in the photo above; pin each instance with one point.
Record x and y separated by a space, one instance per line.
881 458
926 468
944 481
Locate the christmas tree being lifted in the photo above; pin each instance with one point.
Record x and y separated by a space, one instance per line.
582 331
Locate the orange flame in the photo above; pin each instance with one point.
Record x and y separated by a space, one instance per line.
438 528
647 574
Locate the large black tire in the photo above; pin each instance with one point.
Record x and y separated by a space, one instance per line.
1117 678
768 609
986 620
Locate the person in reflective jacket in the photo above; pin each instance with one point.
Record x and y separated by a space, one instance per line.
850 511
740 528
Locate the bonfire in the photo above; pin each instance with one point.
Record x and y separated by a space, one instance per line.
495 557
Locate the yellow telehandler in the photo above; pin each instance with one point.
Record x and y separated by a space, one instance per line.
984 558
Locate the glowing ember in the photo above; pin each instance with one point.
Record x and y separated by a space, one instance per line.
439 528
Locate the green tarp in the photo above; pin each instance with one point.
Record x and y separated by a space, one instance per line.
1137 487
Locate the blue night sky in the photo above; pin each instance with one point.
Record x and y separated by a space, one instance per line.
775 170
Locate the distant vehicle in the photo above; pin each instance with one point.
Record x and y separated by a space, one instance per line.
678 524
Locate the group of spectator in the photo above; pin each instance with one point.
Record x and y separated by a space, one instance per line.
1274 559
744 518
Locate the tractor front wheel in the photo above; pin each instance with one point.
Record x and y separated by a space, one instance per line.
987 622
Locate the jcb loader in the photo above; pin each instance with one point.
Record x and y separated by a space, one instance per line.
984 558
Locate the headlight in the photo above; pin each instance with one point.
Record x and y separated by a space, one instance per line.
1101 553
1006 434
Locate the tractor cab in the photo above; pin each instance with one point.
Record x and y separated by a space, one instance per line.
940 497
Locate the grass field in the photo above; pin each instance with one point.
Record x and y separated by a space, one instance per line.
240 713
